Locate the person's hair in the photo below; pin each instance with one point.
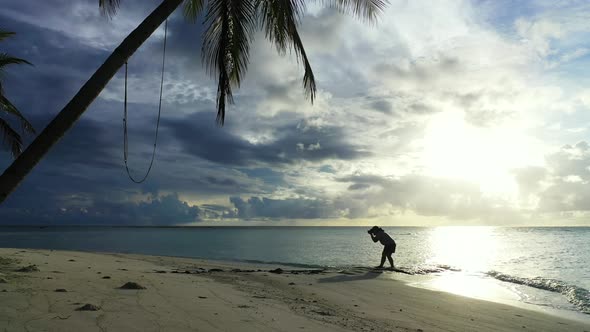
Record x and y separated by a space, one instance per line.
375 229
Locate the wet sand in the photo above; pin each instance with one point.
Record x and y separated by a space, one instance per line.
43 290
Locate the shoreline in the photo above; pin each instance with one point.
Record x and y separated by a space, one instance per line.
423 281
197 294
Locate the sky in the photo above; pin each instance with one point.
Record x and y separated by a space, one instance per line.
440 113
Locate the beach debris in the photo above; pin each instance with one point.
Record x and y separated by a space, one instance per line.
291 283
88 307
29 268
322 313
243 306
61 290
277 271
71 260
4 291
7 261
160 271
259 297
202 297
123 269
62 318
132 285
106 277
215 270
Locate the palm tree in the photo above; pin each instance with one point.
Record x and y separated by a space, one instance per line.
11 139
225 52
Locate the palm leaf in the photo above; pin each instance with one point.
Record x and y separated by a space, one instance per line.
8 107
5 34
11 140
109 7
6 59
226 46
279 19
192 9
364 9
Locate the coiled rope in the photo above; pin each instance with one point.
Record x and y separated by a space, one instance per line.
125 138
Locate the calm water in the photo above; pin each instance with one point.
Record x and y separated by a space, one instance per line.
546 267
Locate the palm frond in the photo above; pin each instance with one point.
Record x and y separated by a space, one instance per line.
364 9
6 59
109 8
5 34
226 46
192 9
11 140
279 19
7 107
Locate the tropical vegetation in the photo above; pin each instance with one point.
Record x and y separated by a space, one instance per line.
11 139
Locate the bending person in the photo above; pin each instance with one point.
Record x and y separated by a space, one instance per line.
378 234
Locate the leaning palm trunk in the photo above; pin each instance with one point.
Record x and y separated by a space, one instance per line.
16 172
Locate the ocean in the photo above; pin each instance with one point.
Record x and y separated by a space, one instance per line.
543 268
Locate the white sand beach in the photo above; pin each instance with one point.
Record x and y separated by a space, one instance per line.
196 295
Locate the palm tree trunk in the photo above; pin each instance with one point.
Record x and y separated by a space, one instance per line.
16 172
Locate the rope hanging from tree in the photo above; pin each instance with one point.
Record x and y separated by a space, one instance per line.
125 139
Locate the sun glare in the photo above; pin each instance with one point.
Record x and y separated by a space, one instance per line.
487 156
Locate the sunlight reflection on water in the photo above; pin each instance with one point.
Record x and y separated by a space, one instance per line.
470 248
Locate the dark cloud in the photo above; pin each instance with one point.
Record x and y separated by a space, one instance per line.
383 106
359 186
290 208
163 210
199 137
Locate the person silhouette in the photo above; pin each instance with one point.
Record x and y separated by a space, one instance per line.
378 234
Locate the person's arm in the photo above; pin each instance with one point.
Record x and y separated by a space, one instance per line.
374 237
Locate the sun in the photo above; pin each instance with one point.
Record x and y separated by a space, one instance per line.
456 149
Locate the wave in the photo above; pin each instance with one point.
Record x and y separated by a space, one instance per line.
578 296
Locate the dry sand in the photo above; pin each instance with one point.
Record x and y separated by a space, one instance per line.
76 291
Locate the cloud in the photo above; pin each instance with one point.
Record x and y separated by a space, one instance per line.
161 210
289 144
475 84
290 208
425 196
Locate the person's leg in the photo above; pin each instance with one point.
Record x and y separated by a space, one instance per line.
390 260
383 254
